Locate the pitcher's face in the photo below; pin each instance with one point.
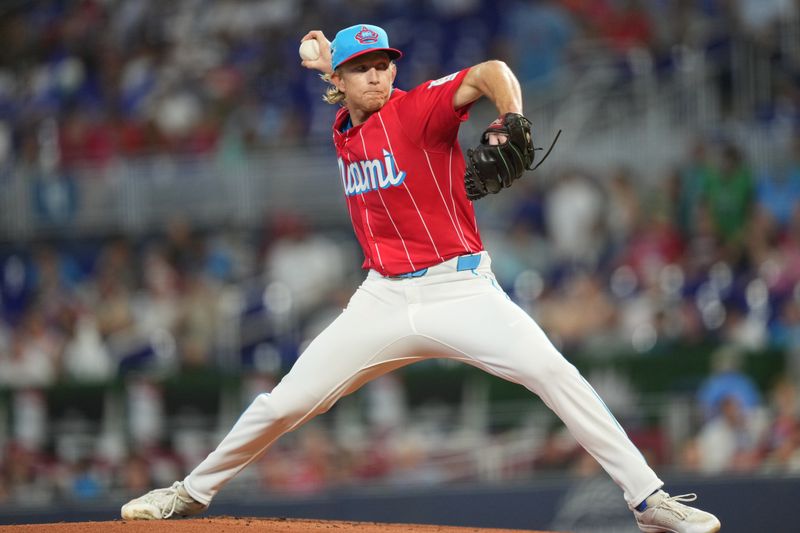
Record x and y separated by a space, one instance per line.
366 82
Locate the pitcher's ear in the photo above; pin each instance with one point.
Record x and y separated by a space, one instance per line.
336 80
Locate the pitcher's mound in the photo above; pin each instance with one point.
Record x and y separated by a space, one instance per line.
243 525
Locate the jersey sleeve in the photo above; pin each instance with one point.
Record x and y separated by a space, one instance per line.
428 115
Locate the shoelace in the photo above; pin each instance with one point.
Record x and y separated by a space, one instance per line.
172 492
674 504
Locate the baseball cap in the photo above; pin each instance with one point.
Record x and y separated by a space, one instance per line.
358 40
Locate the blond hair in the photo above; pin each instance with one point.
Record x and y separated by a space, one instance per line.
332 94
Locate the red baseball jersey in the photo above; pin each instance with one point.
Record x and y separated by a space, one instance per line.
402 171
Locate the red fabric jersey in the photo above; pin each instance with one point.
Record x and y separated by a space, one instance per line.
403 177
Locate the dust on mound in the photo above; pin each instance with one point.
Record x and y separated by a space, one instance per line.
242 525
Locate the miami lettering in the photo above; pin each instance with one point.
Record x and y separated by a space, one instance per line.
360 177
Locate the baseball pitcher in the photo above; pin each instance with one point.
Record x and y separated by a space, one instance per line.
429 289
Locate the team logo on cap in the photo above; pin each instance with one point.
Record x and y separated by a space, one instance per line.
366 36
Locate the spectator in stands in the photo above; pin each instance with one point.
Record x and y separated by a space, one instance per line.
728 193
690 179
785 329
591 14
703 247
729 442
112 300
763 249
727 380
16 287
27 474
558 452
134 475
543 26
778 191
162 281
55 277
305 466
744 327
624 207
780 447
574 209
197 322
519 248
85 482
582 310
86 357
309 265
32 359
781 264
628 28
654 243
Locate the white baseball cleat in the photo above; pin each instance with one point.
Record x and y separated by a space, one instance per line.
666 514
160 504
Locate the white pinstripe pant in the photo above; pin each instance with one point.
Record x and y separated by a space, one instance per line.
393 322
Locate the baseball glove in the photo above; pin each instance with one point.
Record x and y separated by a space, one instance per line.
494 167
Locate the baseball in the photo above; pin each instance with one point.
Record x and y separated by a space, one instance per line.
309 50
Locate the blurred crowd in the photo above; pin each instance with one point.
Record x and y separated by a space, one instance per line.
117 79
607 261
707 252
708 255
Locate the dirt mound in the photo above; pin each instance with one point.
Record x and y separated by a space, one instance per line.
242 525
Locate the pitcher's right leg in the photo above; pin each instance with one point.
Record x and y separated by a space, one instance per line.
371 337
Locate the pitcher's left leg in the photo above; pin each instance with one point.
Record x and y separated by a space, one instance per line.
481 326
489 331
